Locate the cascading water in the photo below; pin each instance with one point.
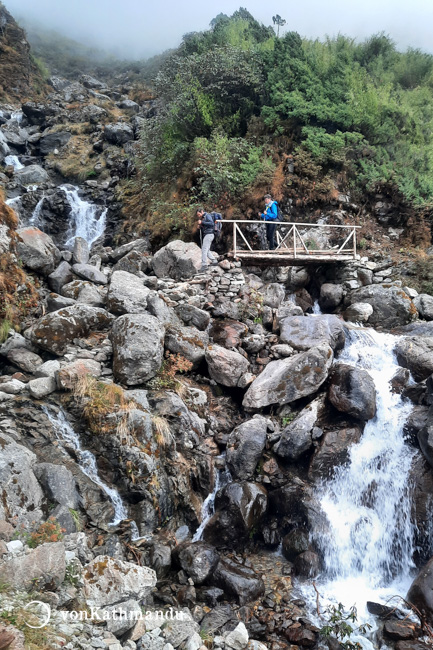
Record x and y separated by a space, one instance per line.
35 219
208 508
368 545
86 219
14 162
86 461
316 308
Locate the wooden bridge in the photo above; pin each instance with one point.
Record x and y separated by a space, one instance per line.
297 243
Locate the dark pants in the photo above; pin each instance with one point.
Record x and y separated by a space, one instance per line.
270 235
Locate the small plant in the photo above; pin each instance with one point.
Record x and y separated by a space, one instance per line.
172 365
163 434
362 244
207 638
48 531
77 519
339 626
72 574
287 419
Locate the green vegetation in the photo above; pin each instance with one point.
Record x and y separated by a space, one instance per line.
339 626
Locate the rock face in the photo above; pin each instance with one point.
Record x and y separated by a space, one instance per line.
37 250
20 491
197 559
127 294
225 366
44 565
245 445
108 581
54 331
416 354
138 346
305 332
177 260
420 593
391 305
287 380
352 391
297 438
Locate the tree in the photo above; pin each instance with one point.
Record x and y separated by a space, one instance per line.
279 22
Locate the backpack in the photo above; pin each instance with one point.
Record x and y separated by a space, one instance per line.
217 220
280 216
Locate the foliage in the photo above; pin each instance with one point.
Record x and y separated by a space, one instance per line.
47 531
172 365
339 626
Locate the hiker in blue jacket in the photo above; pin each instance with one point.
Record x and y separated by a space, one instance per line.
271 215
206 222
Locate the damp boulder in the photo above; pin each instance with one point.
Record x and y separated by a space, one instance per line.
416 354
333 450
352 391
420 592
238 580
37 250
305 332
245 445
138 347
391 305
297 437
197 559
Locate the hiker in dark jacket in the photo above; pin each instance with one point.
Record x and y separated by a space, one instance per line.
207 227
270 215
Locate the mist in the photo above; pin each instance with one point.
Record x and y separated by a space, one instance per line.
139 29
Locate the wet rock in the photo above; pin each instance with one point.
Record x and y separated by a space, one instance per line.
108 581
296 501
60 276
296 439
91 273
217 617
238 580
307 564
411 645
331 295
238 508
118 134
83 292
286 380
37 250
42 387
189 342
193 316
138 346
52 141
401 630
305 332
54 331
400 380
295 543
25 359
226 367
352 391
68 375
197 559
177 260
58 484
127 294
391 305
333 450
20 493
301 636
81 251
245 445
44 566
32 175
359 312
424 303
416 354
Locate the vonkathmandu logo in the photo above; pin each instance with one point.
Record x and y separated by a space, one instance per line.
41 614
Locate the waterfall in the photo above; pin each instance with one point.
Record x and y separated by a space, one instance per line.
369 544
316 308
14 161
86 461
14 203
35 219
208 508
86 219
16 116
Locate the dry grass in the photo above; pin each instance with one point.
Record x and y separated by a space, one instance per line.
163 434
78 160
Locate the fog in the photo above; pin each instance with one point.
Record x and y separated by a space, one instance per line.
139 28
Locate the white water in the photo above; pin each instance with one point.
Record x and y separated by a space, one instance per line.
14 161
16 116
84 220
86 461
35 219
14 203
368 548
316 308
208 508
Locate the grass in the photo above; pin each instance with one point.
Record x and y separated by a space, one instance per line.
163 434
34 639
5 328
77 519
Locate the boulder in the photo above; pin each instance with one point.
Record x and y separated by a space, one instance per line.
424 303
189 342
12 386
238 580
52 141
295 543
177 260
118 134
129 106
333 450
133 262
359 312
158 308
60 276
44 566
245 445
42 387
37 250
108 581
237 639
122 617
140 245
126 294
89 272
68 375
305 332
197 559
307 564
391 305
227 333
286 380
20 493
352 391
273 294
416 354
58 484
239 507
81 251
83 292
193 316
226 367
420 592
331 295
297 437
56 330
31 175
138 347
90 82
298 502
48 369
24 359
56 302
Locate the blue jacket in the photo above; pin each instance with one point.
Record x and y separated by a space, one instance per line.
208 222
271 212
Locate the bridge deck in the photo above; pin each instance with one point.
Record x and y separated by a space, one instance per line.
287 258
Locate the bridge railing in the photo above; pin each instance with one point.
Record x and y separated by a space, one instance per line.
297 240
